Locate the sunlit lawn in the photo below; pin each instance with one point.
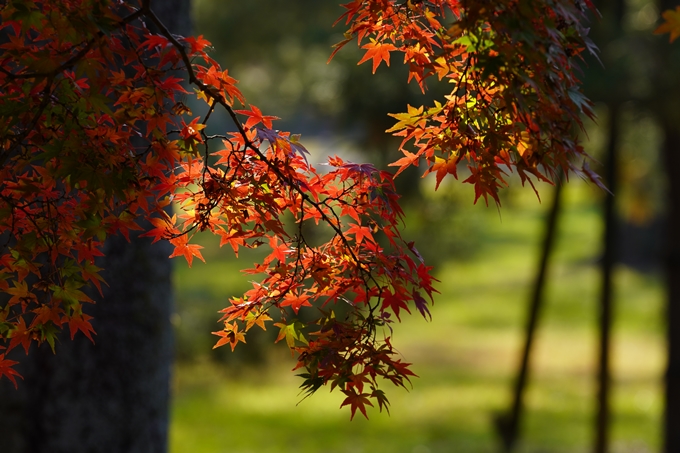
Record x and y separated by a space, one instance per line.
465 357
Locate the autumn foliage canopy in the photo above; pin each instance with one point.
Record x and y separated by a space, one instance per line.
95 140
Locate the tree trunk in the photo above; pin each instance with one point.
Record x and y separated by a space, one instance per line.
672 263
111 396
508 425
609 240
666 108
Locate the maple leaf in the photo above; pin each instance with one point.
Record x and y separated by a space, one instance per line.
586 173
356 401
197 43
405 162
360 233
7 370
444 167
183 248
291 332
421 305
402 370
411 118
255 116
153 41
46 313
364 169
257 319
671 24
19 292
337 47
81 322
20 335
379 52
279 251
295 301
383 403
230 334
192 130
395 301
163 228
70 292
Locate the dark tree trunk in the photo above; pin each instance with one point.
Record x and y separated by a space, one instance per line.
603 409
666 105
112 396
672 264
508 425
611 86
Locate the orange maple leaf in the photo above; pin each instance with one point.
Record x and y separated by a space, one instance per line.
21 335
405 162
230 335
379 52
295 301
672 24
444 167
82 323
163 228
182 247
360 233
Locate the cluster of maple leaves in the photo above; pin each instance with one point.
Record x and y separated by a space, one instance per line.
95 140
515 97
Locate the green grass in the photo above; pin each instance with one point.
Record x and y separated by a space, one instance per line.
465 357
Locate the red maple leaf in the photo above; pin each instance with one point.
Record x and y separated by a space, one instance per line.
255 116
356 401
396 302
7 370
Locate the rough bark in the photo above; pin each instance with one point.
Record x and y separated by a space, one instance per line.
111 396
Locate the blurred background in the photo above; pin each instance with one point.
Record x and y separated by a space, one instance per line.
487 259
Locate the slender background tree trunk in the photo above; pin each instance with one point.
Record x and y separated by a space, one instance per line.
609 240
672 264
508 425
667 108
608 83
112 396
